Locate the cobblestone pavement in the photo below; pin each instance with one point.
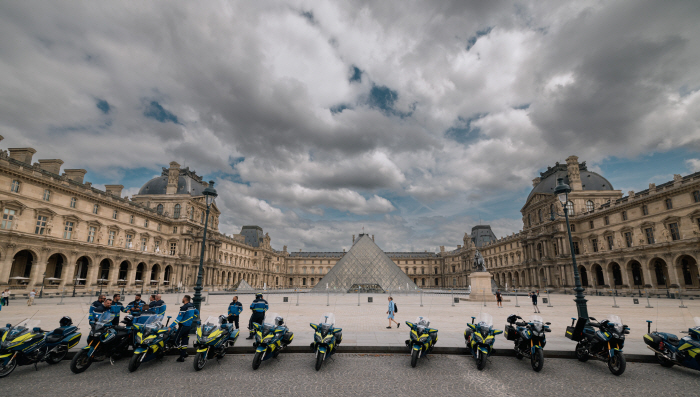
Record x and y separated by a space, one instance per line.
352 375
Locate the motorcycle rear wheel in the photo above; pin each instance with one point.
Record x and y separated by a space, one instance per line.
480 360
581 353
257 359
617 363
80 362
135 362
200 360
57 356
414 358
319 360
664 361
537 360
7 369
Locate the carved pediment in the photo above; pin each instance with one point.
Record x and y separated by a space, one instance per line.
48 212
13 204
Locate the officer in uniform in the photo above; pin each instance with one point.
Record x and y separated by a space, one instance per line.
135 306
188 313
234 310
259 307
96 307
116 308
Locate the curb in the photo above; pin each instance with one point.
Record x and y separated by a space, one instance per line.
461 351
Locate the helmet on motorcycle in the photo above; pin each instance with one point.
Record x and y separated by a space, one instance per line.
512 319
65 321
258 296
128 319
279 321
222 319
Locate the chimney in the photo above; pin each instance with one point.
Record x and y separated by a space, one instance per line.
22 154
51 165
114 190
536 181
373 237
459 246
284 249
630 194
353 239
76 175
574 173
173 178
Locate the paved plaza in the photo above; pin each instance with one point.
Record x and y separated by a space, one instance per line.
352 375
365 325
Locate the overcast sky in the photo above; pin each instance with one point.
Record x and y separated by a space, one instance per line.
412 119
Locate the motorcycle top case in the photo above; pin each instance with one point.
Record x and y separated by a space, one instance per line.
510 332
575 333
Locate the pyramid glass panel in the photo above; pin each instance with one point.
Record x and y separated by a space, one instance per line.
244 286
367 268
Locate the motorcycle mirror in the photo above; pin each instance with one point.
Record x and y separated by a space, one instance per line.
547 330
8 325
592 318
548 323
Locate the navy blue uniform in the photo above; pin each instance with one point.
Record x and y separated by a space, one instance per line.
185 318
234 310
135 307
116 308
259 307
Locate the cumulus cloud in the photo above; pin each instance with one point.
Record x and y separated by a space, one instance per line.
304 110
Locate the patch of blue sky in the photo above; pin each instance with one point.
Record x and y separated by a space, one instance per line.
129 177
479 33
339 108
103 106
356 75
383 98
463 131
155 110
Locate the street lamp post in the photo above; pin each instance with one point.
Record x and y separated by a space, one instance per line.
43 280
562 191
209 195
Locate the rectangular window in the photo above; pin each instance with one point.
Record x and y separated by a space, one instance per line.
145 223
576 250
73 201
157 246
47 194
590 224
610 242
573 228
645 210
68 230
128 241
594 243
624 215
112 235
143 243
628 239
650 235
40 225
173 248
95 208
114 214
7 217
696 195
131 219
158 227
175 229
669 204
675 234
607 220
91 234
14 188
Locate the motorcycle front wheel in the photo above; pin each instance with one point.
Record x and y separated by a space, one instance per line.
414 358
581 353
80 362
537 360
7 369
664 361
319 360
58 355
135 362
257 359
617 363
480 360
200 360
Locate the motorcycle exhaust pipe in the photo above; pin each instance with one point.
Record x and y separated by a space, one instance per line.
659 352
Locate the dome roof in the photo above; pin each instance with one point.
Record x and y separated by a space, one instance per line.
589 180
185 185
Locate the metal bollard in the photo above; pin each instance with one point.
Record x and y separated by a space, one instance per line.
615 302
484 298
421 298
297 297
680 296
62 295
549 300
516 298
649 306
453 296
207 302
358 297
328 298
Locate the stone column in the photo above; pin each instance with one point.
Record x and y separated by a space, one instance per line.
6 267
68 273
113 274
37 273
647 274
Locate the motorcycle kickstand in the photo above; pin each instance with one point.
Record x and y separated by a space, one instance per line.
35 367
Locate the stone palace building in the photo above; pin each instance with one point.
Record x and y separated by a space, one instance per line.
60 233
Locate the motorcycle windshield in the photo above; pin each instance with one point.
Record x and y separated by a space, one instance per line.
210 325
422 322
537 322
616 322
327 318
270 319
484 322
104 318
23 327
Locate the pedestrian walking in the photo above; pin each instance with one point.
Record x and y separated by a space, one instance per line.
234 310
391 312
3 298
32 294
499 299
533 296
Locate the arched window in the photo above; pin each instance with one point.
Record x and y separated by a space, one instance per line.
176 212
159 209
589 206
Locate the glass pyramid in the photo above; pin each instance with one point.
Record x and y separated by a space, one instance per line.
244 286
367 268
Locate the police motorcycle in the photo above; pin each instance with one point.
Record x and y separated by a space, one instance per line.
271 337
151 340
422 339
529 338
326 338
670 350
104 341
600 340
26 344
479 338
214 336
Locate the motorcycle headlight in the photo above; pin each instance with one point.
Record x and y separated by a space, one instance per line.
423 339
317 338
414 336
478 338
327 339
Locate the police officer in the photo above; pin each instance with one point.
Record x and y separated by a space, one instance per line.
116 308
188 313
105 307
98 302
234 310
95 306
135 305
259 307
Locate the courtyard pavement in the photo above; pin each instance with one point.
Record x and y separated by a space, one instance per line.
365 325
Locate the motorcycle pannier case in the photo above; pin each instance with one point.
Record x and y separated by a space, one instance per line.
510 332
652 340
287 338
575 333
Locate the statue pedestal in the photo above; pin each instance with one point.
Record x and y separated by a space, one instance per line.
481 287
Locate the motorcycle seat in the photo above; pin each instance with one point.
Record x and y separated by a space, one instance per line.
673 341
54 338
